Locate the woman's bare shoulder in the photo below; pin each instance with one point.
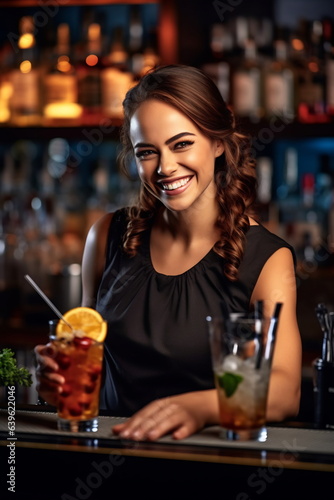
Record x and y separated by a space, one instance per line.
98 231
93 260
102 224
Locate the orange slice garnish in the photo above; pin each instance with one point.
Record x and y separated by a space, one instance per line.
84 320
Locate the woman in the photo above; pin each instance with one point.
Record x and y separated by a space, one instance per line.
189 248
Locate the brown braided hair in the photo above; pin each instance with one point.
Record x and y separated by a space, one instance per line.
195 95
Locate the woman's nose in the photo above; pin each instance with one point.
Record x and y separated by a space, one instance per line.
167 165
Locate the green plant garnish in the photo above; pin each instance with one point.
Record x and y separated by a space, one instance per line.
229 382
10 373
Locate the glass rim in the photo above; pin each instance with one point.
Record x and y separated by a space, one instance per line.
235 317
58 320
54 338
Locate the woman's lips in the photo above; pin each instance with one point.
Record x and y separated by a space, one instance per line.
175 187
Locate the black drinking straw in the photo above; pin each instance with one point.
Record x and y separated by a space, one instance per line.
258 314
272 331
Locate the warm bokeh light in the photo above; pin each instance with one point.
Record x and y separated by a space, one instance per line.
313 66
63 64
4 113
25 67
6 91
63 110
92 60
26 41
297 44
118 55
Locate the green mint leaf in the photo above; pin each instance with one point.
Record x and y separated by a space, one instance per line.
10 373
229 382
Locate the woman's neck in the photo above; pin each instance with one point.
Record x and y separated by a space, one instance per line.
189 225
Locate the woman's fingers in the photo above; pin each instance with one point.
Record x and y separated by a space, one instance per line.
157 419
49 382
45 357
150 419
47 365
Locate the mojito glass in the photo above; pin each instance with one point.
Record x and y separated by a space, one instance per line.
241 358
79 358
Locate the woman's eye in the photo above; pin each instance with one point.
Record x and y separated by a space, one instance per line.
142 155
183 144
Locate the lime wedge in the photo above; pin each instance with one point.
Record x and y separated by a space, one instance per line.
229 382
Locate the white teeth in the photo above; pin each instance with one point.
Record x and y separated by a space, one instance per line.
176 185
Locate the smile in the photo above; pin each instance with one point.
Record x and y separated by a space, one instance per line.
171 186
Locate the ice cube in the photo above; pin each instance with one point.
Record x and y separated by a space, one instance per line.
232 363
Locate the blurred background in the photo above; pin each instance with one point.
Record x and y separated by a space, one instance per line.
65 66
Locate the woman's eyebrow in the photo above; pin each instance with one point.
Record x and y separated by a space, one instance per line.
177 136
172 139
143 145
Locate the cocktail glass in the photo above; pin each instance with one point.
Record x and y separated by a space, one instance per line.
79 358
242 350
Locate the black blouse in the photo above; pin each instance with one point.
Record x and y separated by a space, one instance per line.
157 343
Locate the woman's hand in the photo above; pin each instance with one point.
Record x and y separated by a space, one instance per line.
49 382
181 415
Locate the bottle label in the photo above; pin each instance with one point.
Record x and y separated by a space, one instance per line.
330 84
90 90
246 92
60 88
310 90
278 92
25 91
115 85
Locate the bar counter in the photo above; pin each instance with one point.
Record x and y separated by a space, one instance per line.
50 464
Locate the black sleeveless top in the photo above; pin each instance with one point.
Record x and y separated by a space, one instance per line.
157 342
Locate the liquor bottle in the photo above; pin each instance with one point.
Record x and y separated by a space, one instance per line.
330 224
328 35
98 201
89 76
218 68
150 53
116 77
60 83
323 372
264 191
5 85
288 191
312 80
246 82
135 46
330 84
9 230
279 84
308 190
25 103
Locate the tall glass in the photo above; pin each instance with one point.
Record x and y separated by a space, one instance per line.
80 362
242 350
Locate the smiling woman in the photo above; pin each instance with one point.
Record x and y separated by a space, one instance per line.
185 100
189 248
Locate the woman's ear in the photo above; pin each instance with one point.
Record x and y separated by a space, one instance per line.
219 148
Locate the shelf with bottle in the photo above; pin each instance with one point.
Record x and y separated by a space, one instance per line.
296 198
76 67
264 71
51 193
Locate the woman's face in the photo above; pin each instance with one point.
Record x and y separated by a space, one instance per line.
175 160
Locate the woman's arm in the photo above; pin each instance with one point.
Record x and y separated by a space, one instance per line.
277 283
93 260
